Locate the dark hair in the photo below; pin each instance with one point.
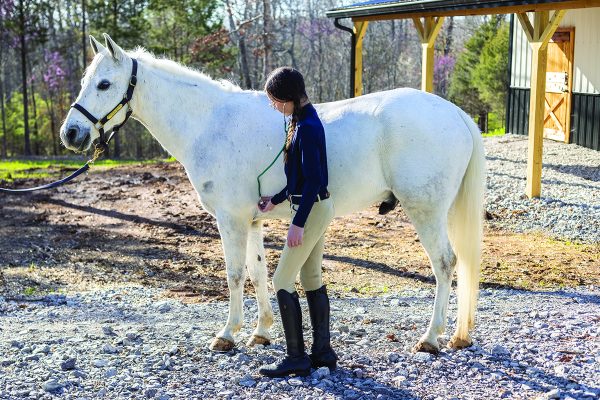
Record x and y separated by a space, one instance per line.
287 84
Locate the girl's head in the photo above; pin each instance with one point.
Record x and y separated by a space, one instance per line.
285 88
286 91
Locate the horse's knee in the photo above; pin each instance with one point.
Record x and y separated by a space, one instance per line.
235 278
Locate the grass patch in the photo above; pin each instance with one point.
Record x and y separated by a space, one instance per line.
28 169
494 132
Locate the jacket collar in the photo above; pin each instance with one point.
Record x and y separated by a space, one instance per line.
306 111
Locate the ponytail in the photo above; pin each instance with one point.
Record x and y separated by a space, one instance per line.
291 129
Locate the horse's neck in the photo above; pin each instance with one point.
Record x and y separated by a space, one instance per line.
171 107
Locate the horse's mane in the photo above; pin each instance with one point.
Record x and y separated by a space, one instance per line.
179 70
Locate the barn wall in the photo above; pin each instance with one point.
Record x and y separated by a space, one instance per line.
585 117
585 101
586 74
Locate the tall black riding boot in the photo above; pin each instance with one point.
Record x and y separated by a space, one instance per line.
322 355
297 361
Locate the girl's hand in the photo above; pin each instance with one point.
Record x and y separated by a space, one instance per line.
295 236
265 204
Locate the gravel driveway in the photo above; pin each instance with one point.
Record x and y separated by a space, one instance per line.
569 206
123 343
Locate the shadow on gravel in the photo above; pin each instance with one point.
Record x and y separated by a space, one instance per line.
542 381
586 172
548 182
581 298
369 392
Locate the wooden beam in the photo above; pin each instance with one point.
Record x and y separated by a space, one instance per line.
360 28
526 25
428 31
551 28
420 29
563 5
541 32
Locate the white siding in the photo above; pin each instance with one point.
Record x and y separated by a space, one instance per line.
586 67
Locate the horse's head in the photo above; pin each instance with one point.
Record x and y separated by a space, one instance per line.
105 82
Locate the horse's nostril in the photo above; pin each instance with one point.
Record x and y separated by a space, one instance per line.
72 134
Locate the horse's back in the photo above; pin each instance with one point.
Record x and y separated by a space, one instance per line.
407 141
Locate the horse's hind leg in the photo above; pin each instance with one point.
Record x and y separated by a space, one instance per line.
257 269
432 230
234 237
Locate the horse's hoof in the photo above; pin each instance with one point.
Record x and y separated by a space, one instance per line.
221 345
256 340
459 343
426 347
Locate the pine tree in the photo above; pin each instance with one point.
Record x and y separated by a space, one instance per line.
464 90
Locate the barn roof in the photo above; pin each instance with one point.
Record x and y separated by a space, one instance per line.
382 8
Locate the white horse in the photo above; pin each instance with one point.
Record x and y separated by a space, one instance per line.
401 145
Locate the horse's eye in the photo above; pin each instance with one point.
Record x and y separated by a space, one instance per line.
103 85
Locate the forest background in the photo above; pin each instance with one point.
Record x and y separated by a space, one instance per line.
44 50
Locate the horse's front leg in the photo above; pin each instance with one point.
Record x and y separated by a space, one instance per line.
257 269
234 235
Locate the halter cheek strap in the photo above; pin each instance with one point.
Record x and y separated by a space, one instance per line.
99 123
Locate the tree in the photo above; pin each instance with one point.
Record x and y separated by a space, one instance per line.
463 90
490 75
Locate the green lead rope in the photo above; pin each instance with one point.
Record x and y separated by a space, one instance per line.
275 159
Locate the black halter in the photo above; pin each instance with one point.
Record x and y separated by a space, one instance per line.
99 123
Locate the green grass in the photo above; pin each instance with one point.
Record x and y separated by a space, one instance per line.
494 132
27 169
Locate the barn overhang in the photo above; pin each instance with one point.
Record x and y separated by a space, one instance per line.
539 19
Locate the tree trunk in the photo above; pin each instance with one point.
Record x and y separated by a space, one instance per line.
267 45
240 40
483 121
83 37
3 114
448 47
117 149
50 106
24 76
36 141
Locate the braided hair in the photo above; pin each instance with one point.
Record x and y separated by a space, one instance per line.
287 84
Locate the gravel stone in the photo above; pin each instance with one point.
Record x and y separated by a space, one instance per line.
68 364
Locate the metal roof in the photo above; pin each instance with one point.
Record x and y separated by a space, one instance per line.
384 7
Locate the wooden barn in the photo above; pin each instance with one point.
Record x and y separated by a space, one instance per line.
572 99
555 64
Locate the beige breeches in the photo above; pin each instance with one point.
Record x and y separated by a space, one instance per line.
307 258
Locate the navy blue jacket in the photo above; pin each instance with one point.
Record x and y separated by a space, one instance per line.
306 168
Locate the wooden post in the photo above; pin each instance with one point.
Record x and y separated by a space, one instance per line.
360 28
538 35
427 31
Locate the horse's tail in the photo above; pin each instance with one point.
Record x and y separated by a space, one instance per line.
466 231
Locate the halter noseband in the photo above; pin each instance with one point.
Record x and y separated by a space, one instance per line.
99 123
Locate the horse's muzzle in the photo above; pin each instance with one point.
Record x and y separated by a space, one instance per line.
76 138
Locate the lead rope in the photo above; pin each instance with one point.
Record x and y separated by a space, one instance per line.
285 129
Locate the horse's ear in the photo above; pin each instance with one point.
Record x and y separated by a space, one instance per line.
96 45
115 51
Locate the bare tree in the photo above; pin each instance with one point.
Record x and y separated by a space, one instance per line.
267 45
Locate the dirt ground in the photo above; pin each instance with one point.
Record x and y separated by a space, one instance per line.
144 225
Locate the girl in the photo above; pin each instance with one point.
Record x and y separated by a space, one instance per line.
305 159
